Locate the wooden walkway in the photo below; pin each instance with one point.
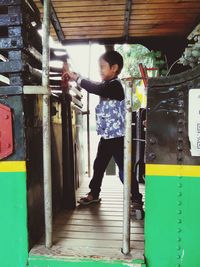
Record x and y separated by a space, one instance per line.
95 230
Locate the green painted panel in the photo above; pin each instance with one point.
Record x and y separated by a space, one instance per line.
13 223
190 238
160 221
172 221
43 261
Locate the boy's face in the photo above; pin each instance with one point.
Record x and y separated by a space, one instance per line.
107 72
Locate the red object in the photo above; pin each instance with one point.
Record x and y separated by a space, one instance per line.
6 132
144 74
65 79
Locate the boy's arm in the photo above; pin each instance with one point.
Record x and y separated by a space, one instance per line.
111 89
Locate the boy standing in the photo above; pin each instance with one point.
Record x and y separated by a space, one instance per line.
110 116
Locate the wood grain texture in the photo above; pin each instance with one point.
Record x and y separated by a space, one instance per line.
95 230
107 19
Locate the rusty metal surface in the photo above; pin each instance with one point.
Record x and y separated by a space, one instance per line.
167 119
16 104
69 201
6 132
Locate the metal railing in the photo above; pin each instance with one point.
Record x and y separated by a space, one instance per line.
127 171
46 126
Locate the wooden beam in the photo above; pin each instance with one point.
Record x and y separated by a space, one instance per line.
93 29
91 19
127 17
93 37
171 11
166 5
86 14
110 8
164 1
55 22
92 24
163 16
88 3
81 34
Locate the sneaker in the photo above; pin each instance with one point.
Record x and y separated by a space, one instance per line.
137 212
88 199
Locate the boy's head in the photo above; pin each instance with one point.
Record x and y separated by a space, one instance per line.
111 64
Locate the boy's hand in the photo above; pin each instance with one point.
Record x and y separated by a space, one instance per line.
144 123
71 75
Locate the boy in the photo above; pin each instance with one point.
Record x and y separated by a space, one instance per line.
110 116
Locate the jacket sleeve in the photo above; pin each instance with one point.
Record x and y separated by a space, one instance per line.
109 89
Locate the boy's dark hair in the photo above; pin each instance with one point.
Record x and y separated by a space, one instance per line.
113 57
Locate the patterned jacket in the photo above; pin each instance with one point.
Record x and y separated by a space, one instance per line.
110 115
110 112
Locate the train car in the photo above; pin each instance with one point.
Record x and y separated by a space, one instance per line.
41 139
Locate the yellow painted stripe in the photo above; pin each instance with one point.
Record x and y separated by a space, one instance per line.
173 170
12 166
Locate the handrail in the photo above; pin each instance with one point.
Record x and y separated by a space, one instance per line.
46 127
127 171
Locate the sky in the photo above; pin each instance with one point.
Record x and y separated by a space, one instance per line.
85 59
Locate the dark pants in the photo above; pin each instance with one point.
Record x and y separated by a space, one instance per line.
106 149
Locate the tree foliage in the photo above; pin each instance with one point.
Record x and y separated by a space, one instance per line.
135 54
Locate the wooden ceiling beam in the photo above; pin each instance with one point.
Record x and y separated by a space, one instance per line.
92 19
55 22
166 5
87 3
127 17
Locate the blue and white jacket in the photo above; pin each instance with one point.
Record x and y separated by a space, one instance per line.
110 116
110 112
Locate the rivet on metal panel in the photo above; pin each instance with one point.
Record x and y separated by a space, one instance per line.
180 148
181 111
179 203
180 94
152 156
152 141
181 121
13 19
180 139
13 42
179 157
179 185
181 103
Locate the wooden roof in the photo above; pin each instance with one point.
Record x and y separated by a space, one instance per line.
122 20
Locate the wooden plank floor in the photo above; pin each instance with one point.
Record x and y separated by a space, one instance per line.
95 230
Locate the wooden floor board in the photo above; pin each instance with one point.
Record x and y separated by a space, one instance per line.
95 230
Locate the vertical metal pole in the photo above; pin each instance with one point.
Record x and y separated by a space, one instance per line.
127 171
46 127
88 115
